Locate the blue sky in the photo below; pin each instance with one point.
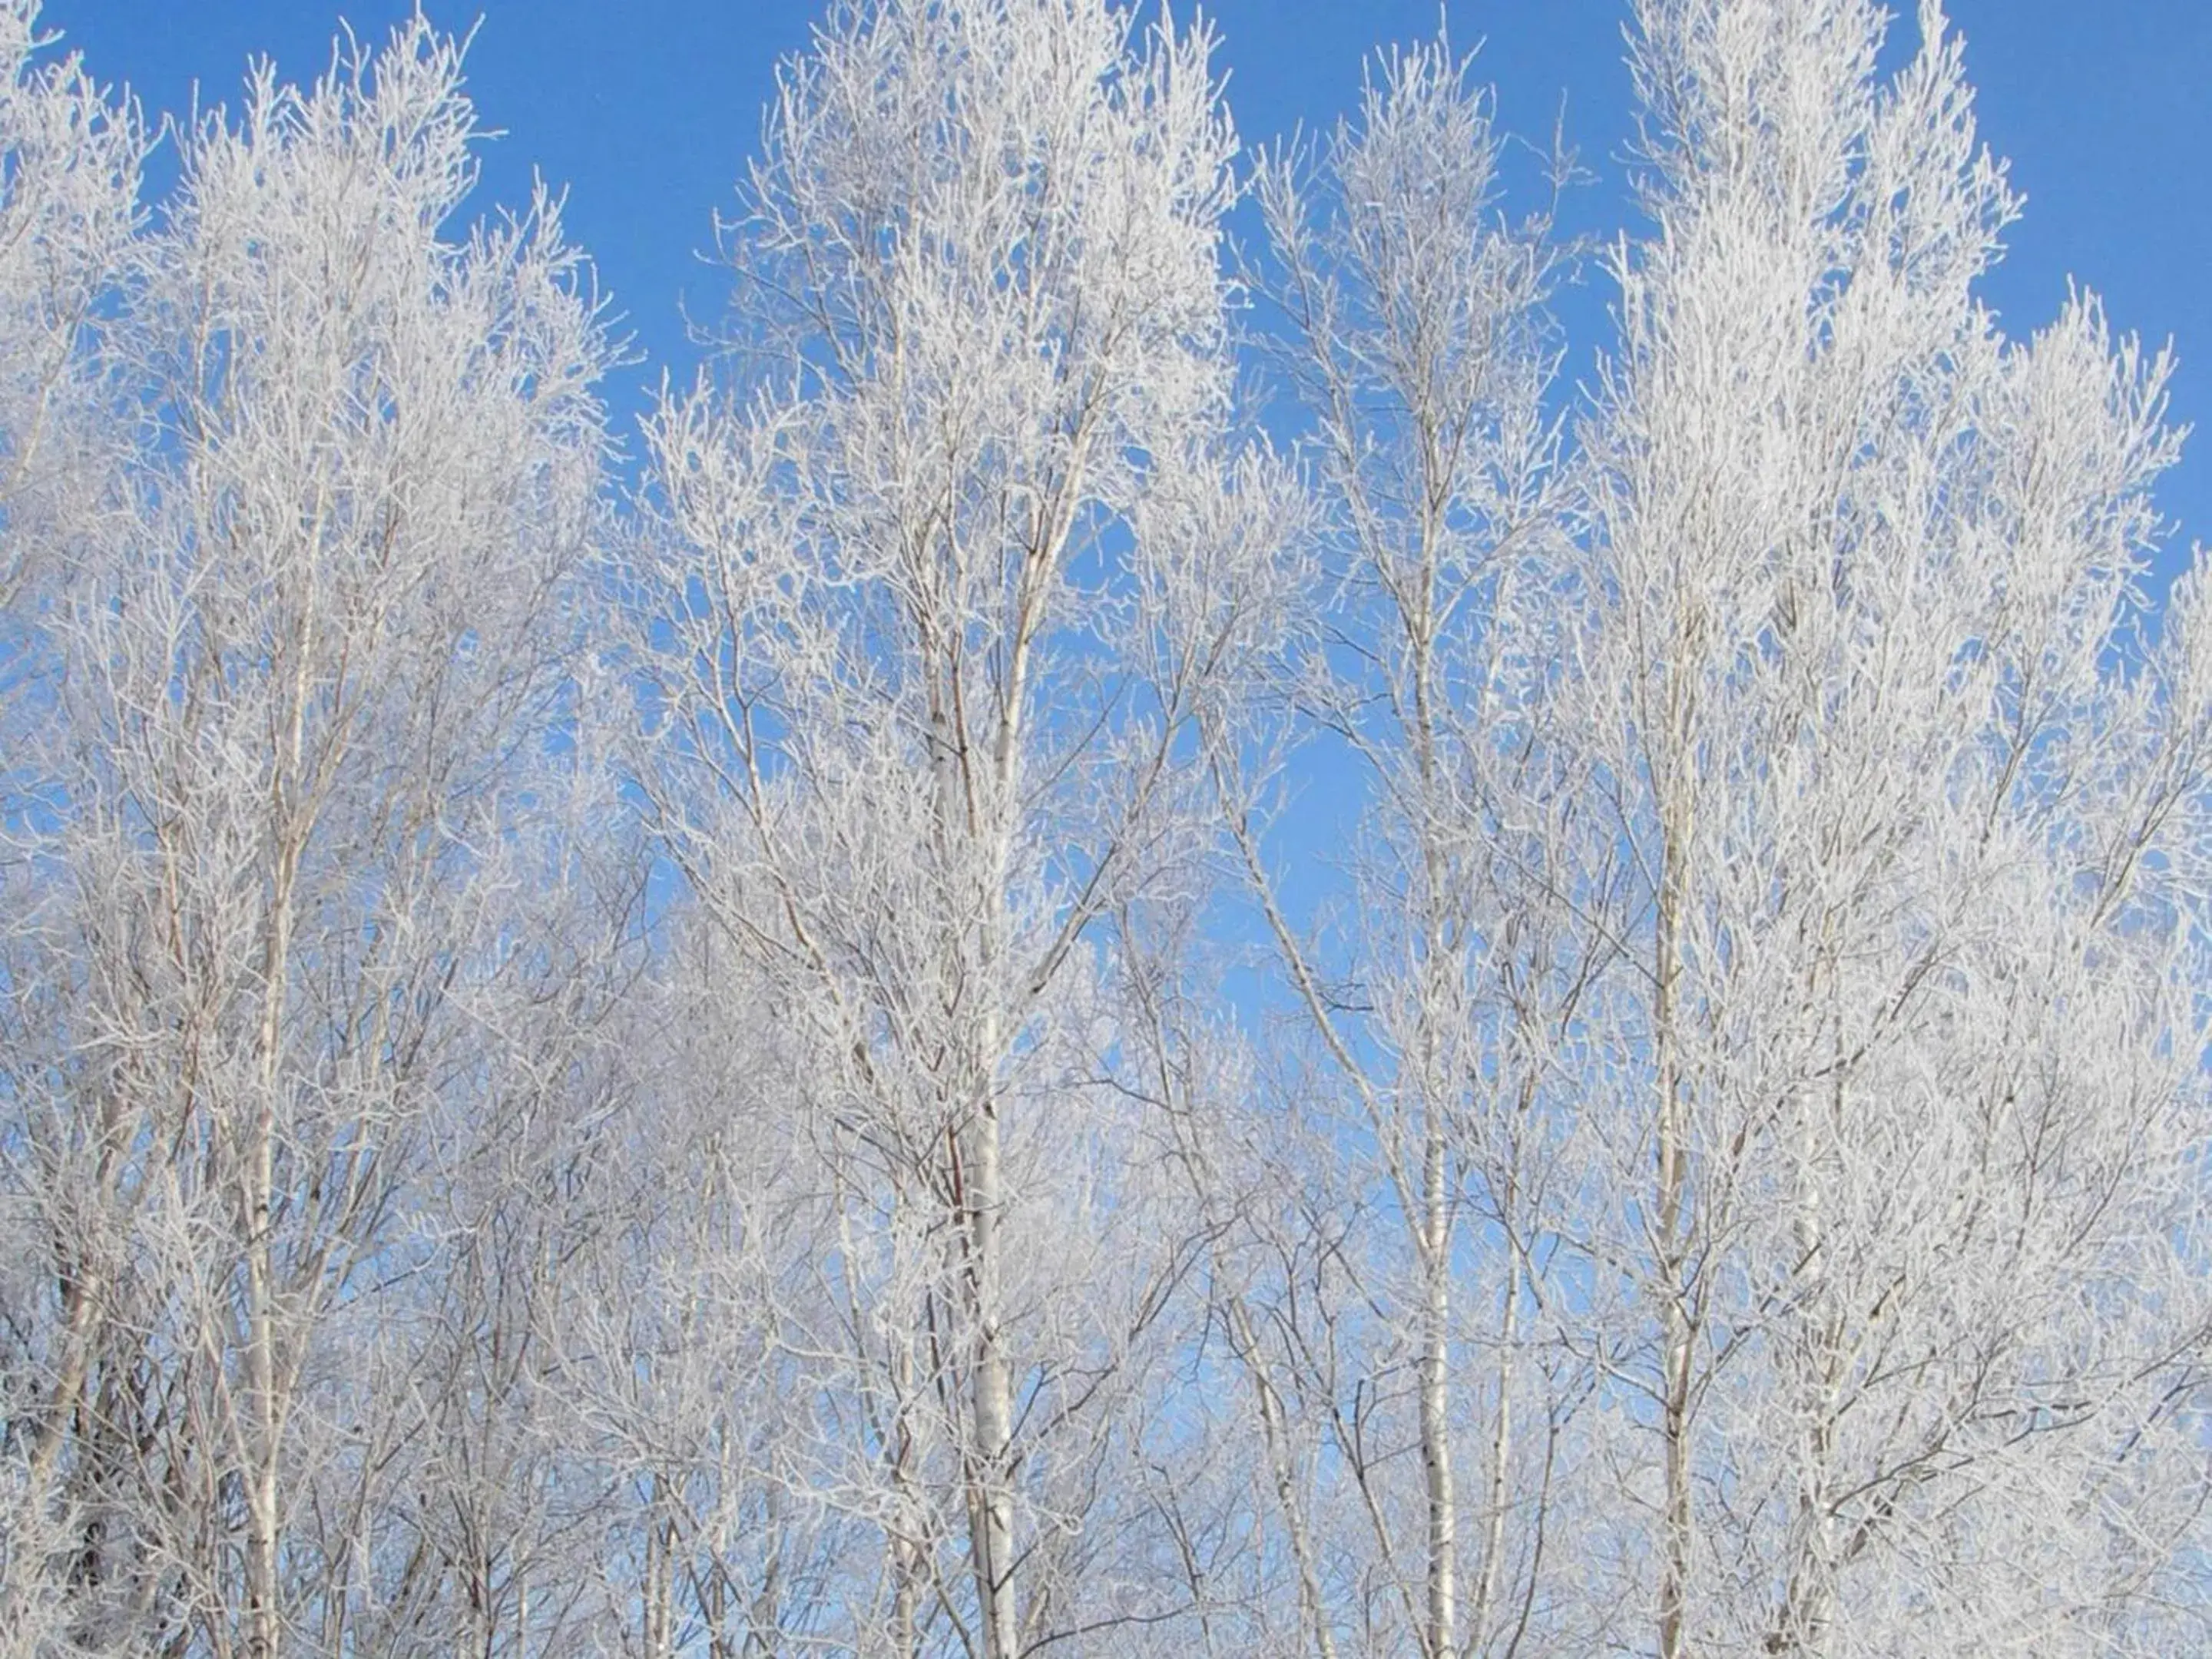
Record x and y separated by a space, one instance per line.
645 110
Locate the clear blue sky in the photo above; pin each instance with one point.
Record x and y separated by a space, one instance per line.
645 110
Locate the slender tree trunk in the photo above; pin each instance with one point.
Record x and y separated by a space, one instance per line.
992 1503
265 1431
903 1625
1674 1291
966 805
978 1187
1441 1634
1440 1639
906 1508
81 1290
658 1591
992 1506
1501 1447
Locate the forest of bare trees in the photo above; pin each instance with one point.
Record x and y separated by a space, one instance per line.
771 1052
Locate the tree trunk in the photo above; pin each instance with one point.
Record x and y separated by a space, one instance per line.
264 1433
1501 1448
1441 1638
991 1501
1673 1292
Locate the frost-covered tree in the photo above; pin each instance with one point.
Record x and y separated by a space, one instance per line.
1416 340
958 561
69 157
307 658
1901 1085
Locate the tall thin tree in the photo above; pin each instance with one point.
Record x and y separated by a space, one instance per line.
959 560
